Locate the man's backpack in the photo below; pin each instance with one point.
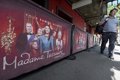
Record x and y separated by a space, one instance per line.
99 28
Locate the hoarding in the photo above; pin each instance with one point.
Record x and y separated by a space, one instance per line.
90 40
79 40
96 40
30 37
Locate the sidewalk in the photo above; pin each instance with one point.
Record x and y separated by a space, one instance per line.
89 65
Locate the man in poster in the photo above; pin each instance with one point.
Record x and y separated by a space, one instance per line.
24 39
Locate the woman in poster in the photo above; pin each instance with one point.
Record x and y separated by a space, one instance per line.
46 41
39 33
39 30
34 48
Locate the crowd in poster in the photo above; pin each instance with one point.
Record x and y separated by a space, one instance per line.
41 39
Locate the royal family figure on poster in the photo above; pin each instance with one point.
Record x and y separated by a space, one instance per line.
46 38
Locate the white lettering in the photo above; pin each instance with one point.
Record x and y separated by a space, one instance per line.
22 62
60 53
8 64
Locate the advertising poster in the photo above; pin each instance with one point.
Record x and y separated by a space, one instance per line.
90 41
96 42
79 40
30 37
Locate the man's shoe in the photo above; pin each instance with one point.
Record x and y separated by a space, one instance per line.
101 53
110 57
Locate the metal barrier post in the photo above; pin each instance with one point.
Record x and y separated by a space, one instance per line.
71 56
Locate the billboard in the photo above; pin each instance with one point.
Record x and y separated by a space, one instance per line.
30 37
90 41
96 40
79 40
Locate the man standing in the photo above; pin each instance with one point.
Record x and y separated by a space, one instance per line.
109 32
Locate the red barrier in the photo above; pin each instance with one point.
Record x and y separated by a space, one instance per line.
90 41
79 40
31 37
